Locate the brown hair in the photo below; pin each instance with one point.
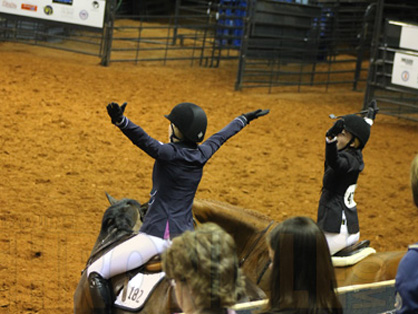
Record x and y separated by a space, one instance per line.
303 278
206 260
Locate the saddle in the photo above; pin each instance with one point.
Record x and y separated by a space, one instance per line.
352 254
154 265
150 274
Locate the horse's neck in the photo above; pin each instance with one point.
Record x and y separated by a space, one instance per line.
244 225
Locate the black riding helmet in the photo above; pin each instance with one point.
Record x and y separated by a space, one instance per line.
190 119
358 127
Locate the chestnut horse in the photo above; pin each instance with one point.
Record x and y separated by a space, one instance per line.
120 221
249 230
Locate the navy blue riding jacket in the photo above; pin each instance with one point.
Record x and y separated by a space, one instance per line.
177 172
342 169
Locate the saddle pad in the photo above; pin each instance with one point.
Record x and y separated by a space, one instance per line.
352 259
138 290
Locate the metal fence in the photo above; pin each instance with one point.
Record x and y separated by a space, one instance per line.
394 98
292 44
52 35
199 32
273 43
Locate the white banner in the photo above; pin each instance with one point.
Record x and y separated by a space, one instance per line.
81 12
409 37
405 70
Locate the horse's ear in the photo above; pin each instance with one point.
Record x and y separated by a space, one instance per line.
111 199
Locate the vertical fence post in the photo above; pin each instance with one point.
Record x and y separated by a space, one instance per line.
374 51
370 10
246 25
176 21
108 31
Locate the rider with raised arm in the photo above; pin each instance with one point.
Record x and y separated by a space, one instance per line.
337 211
177 172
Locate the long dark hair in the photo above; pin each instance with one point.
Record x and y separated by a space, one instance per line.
303 278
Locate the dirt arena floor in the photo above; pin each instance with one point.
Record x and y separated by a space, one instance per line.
60 153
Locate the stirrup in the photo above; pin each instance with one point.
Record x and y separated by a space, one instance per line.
100 294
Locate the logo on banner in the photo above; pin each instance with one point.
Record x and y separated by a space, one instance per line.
405 76
84 15
29 7
407 61
9 5
48 10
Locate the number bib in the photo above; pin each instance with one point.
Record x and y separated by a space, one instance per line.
349 196
138 290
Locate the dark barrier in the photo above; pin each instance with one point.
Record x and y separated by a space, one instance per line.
293 44
393 73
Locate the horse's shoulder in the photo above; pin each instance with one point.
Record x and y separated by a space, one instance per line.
224 208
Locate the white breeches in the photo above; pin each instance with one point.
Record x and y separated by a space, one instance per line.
131 254
338 241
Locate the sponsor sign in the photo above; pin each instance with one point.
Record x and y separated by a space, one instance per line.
405 70
81 12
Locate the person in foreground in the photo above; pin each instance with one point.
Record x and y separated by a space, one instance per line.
203 268
406 281
302 276
177 172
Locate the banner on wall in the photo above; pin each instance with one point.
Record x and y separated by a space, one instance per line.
405 70
81 12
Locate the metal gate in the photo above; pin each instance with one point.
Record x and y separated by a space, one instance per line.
291 44
393 73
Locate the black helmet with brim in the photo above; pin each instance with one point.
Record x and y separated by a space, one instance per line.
190 119
357 126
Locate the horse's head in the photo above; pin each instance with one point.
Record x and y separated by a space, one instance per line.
121 219
122 215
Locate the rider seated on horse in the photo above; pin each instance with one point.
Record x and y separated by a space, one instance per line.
337 211
177 171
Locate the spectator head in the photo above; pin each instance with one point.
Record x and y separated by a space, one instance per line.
303 277
204 268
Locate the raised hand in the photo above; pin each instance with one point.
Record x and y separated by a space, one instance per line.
116 112
372 110
250 116
336 129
